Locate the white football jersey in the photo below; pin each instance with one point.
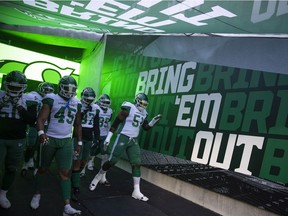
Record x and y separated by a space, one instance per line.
33 98
88 118
62 115
133 122
104 121
8 110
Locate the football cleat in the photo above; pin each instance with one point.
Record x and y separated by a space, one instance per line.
30 163
105 183
82 173
68 211
4 202
139 196
90 165
35 202
24 169
95 181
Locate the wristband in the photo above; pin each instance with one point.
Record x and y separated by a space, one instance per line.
40 132
80 143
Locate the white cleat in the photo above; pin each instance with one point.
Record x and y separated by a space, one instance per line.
104 181
68 211
35 171
139 196
24 169
95 181
35 202
4 202
90 165
30 163
82 173
25 166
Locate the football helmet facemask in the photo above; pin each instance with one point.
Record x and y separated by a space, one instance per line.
141 101
104 101
45 88
88 96
15 83
67 87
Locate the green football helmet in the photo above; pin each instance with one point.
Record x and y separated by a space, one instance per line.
15 83
45 88
67 87
88 96
104 101
141 101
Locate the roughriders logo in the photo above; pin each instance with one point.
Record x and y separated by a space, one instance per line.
36 66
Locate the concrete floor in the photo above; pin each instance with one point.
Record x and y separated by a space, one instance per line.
108 201
175 187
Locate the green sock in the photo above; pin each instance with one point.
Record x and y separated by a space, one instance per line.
8 179
38 182
66 189
75 178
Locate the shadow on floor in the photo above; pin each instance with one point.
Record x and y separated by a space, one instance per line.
108 201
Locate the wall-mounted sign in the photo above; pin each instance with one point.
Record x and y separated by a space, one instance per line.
226 117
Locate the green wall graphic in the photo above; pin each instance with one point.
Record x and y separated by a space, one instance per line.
36 66
230 118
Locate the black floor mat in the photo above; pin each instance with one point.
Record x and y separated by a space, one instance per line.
113 200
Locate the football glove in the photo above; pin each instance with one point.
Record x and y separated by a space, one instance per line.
154 120
107 140
44 140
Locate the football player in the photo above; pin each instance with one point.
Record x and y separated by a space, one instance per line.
14 118
90 135
132 117
34 98
105 117
63 111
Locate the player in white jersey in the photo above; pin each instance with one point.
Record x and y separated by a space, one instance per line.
14 118
90 135
63 111
105 117
131 118
34 98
